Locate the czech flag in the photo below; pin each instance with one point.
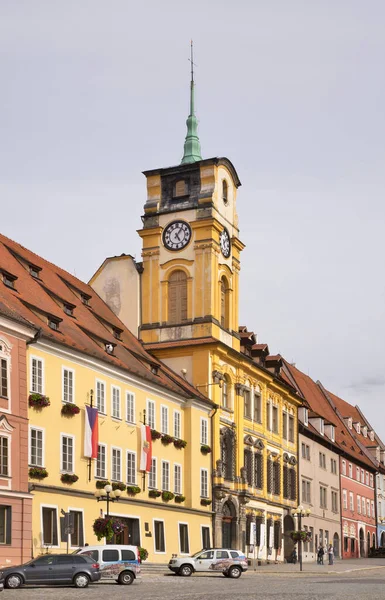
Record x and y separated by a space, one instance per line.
91 436
146 452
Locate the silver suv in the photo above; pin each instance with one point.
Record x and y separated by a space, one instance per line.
231 563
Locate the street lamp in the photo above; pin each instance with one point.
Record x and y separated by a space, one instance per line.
109 495
300 512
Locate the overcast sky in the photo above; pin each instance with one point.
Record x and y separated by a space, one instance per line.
293 93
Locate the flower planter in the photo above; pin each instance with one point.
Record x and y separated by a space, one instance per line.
132 490
205 502
166 496
118 485
205 449
180 443
107 527
70 409
154 493
155 435
304 536
166 439
100 483
143 553
38 401
68 478
179 499
38 473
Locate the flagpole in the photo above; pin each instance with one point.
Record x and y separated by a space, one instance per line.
90 459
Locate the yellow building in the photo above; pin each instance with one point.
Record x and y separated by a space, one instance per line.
187 296
83 354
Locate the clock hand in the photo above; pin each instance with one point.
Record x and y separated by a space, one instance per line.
176 233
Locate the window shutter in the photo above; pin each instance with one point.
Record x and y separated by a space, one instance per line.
63 536
8 526
277 480
258 466
177 297
293 480
223 303
286 492
269 476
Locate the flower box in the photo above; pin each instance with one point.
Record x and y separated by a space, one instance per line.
70 409
107 527
132 490
205 502
154 493
180 443
38 401
38 473
69 478
179 498
167 439
205 449
166 496
101 483
118 485
155 435
304 536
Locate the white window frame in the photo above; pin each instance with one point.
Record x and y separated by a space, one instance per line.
117 389
163 488
105 463
177 430
155 487
204 424
343 467
102 383
32 358
206 472
350 471
112 462
30 446
130 396
188 537
164 534
9 457
152 404
345 499
180 491
72 437
351 501
54 506
164 411
132 453
359 504
72 371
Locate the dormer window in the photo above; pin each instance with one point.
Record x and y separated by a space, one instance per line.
154 369
305 416
332 433
9 280
371 436
365 432
225 191
53 324
350 423
85 299
358 427
117 334
69 310
34 271
322 426
109 348
180 189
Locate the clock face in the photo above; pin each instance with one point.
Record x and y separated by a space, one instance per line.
225 243
176 235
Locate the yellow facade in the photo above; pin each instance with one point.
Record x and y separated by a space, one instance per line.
116 434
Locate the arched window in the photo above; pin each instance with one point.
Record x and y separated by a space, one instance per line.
177 297
224 191
224 303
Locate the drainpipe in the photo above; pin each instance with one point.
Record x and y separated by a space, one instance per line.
215 410
375 507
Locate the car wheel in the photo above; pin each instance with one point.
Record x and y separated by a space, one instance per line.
13 581
126 578
185 570
235 572
81 580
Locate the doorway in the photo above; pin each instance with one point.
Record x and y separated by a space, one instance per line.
362 543
336 545
130 534
229 526
288 544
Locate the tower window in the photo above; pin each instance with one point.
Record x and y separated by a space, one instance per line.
224 303
180 188
224 191
177 297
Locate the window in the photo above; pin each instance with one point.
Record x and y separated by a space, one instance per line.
151 413
306 491
224 303
322 426
110 555
68 309
152 475
363 506
101 396
322 460
49 518
225 392
257 408
258 470
159 536
53 324
372 507
34 271
358 473
67 453
180 188
183 538
291 428
323 496
368 508
116 472
177 479
4 456
5 524
276 478
68 385
224 191
247 403
343 468
77 537
275 419
362 476
36 447
37 375
334 502
204 431
351 501
359 504
305 451
115 402
205 537
204 483
177 297
164 419
367 478
268 415
350 470
130 407
177 427
371 480
131 467
333 465
4 378
101 462
345 499
284 425
311 547
165 476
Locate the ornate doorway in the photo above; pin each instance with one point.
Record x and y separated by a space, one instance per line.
288 544
229 538
362 543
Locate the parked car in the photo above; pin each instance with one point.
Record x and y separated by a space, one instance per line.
53 569
120 562
232 563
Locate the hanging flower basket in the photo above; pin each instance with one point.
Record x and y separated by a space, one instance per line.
118 485
304 536
107 528
69 478
179 498
205 449
167 439
166 496
155 435
180 443
38 401
154 493
70 409
143 553
38 473
132 490
101 483
205 502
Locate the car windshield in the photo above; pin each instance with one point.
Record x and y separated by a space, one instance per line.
76 551
196 554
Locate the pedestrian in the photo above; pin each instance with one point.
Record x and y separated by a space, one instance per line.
294 557
331 554
320 555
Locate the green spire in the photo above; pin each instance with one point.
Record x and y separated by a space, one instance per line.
192 145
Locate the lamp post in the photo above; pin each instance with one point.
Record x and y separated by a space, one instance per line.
300 512
109 495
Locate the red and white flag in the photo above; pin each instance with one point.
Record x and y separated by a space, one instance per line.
146 451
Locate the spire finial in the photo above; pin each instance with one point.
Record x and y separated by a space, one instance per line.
192 146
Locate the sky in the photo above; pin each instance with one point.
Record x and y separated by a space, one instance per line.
93 92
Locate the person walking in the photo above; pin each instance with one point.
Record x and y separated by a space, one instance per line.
331 554
320 555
